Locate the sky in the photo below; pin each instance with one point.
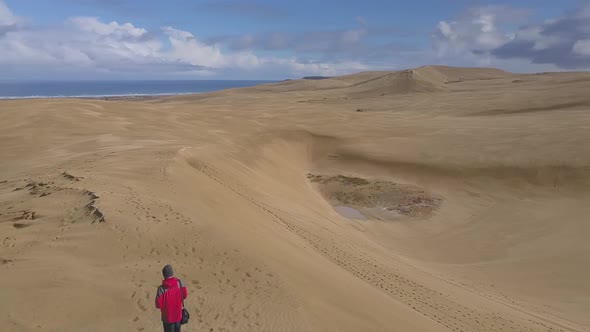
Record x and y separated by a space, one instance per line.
264 39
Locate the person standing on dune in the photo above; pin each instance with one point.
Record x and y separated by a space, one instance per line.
170 300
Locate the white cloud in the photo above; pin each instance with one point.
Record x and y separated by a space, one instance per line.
91 46
8 21
82 42
487 36
186 48
113 29
561 41
582 47
6 16
481 36
477 30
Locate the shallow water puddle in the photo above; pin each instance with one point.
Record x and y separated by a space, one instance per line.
350 213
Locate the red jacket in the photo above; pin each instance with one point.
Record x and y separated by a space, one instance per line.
169 300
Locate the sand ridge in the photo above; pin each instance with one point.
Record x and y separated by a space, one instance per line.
488 175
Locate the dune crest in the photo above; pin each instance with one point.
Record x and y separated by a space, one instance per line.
383 83
407 81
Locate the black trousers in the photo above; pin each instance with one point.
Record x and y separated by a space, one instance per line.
171 327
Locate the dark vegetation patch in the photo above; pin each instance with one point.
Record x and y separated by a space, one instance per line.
377 198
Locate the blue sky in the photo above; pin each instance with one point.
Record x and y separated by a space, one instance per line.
231 39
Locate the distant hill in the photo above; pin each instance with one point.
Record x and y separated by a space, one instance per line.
381 83
406 81
316 77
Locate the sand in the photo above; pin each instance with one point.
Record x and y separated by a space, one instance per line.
475 184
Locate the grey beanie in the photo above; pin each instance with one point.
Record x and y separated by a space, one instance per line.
167 271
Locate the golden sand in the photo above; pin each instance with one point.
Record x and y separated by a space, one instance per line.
475 182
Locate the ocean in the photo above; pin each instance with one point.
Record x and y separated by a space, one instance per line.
60 89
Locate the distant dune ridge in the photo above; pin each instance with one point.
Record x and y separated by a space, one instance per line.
370 84
407 81
428 199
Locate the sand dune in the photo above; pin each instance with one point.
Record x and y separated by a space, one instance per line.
471 188
380 83
409 81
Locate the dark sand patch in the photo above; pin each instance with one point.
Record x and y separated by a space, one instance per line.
359 198
20 225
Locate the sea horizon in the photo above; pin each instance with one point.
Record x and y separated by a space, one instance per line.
42 89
